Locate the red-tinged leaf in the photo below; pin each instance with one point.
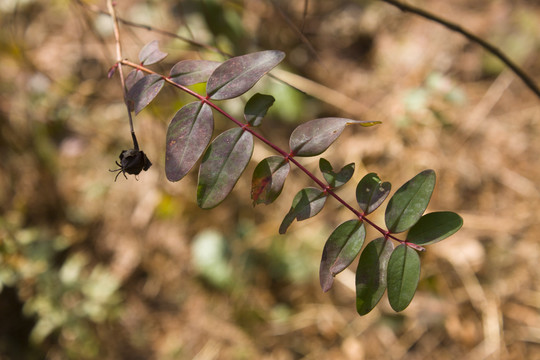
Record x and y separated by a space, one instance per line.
188 135
256 108
403 276
409 202
238 74
307 202
150 53
132 78
371 274
371 192
268 179
340 250
335 180
434 227
315 136
190 72
222 164
144 91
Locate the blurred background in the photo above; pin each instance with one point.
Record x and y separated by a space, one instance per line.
91 268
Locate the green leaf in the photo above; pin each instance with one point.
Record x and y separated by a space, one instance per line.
256 108
222 164
144 91
315 136
188 135
150 53
238 74
371 192
434 227
268 179
333 179
403 276
190 72
340 250
307 202
409 202
371 274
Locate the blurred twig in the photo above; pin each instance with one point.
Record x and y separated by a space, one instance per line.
472 37
195 43
112 13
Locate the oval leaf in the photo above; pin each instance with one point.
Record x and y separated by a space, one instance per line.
188 135
144 91
238 74
315 136
340 250
256 108
150 53
371 192
190 72
434 227
222 164
371 274
409 202
403 276
133 77
307 202
268 179
333 179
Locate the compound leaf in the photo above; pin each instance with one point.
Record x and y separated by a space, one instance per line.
371 274
222 164
334 179
144 91
403 276
268 179
434 227
307 202
150 53
238 74
340 250
256 108
409 202
315 136
190 72
188 134
371 192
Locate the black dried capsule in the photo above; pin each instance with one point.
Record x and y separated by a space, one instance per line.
132 161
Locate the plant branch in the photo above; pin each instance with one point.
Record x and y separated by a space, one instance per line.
287 156
472 37
116 28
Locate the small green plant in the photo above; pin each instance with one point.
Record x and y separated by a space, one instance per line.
189 139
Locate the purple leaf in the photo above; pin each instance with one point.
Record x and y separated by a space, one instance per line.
144 91
150 53
340 250
132 78
188 135
268 179
222 164
315 136
189 72
238 74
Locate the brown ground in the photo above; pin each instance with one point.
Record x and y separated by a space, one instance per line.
108 270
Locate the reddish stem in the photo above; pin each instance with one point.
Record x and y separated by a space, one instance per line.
287 156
